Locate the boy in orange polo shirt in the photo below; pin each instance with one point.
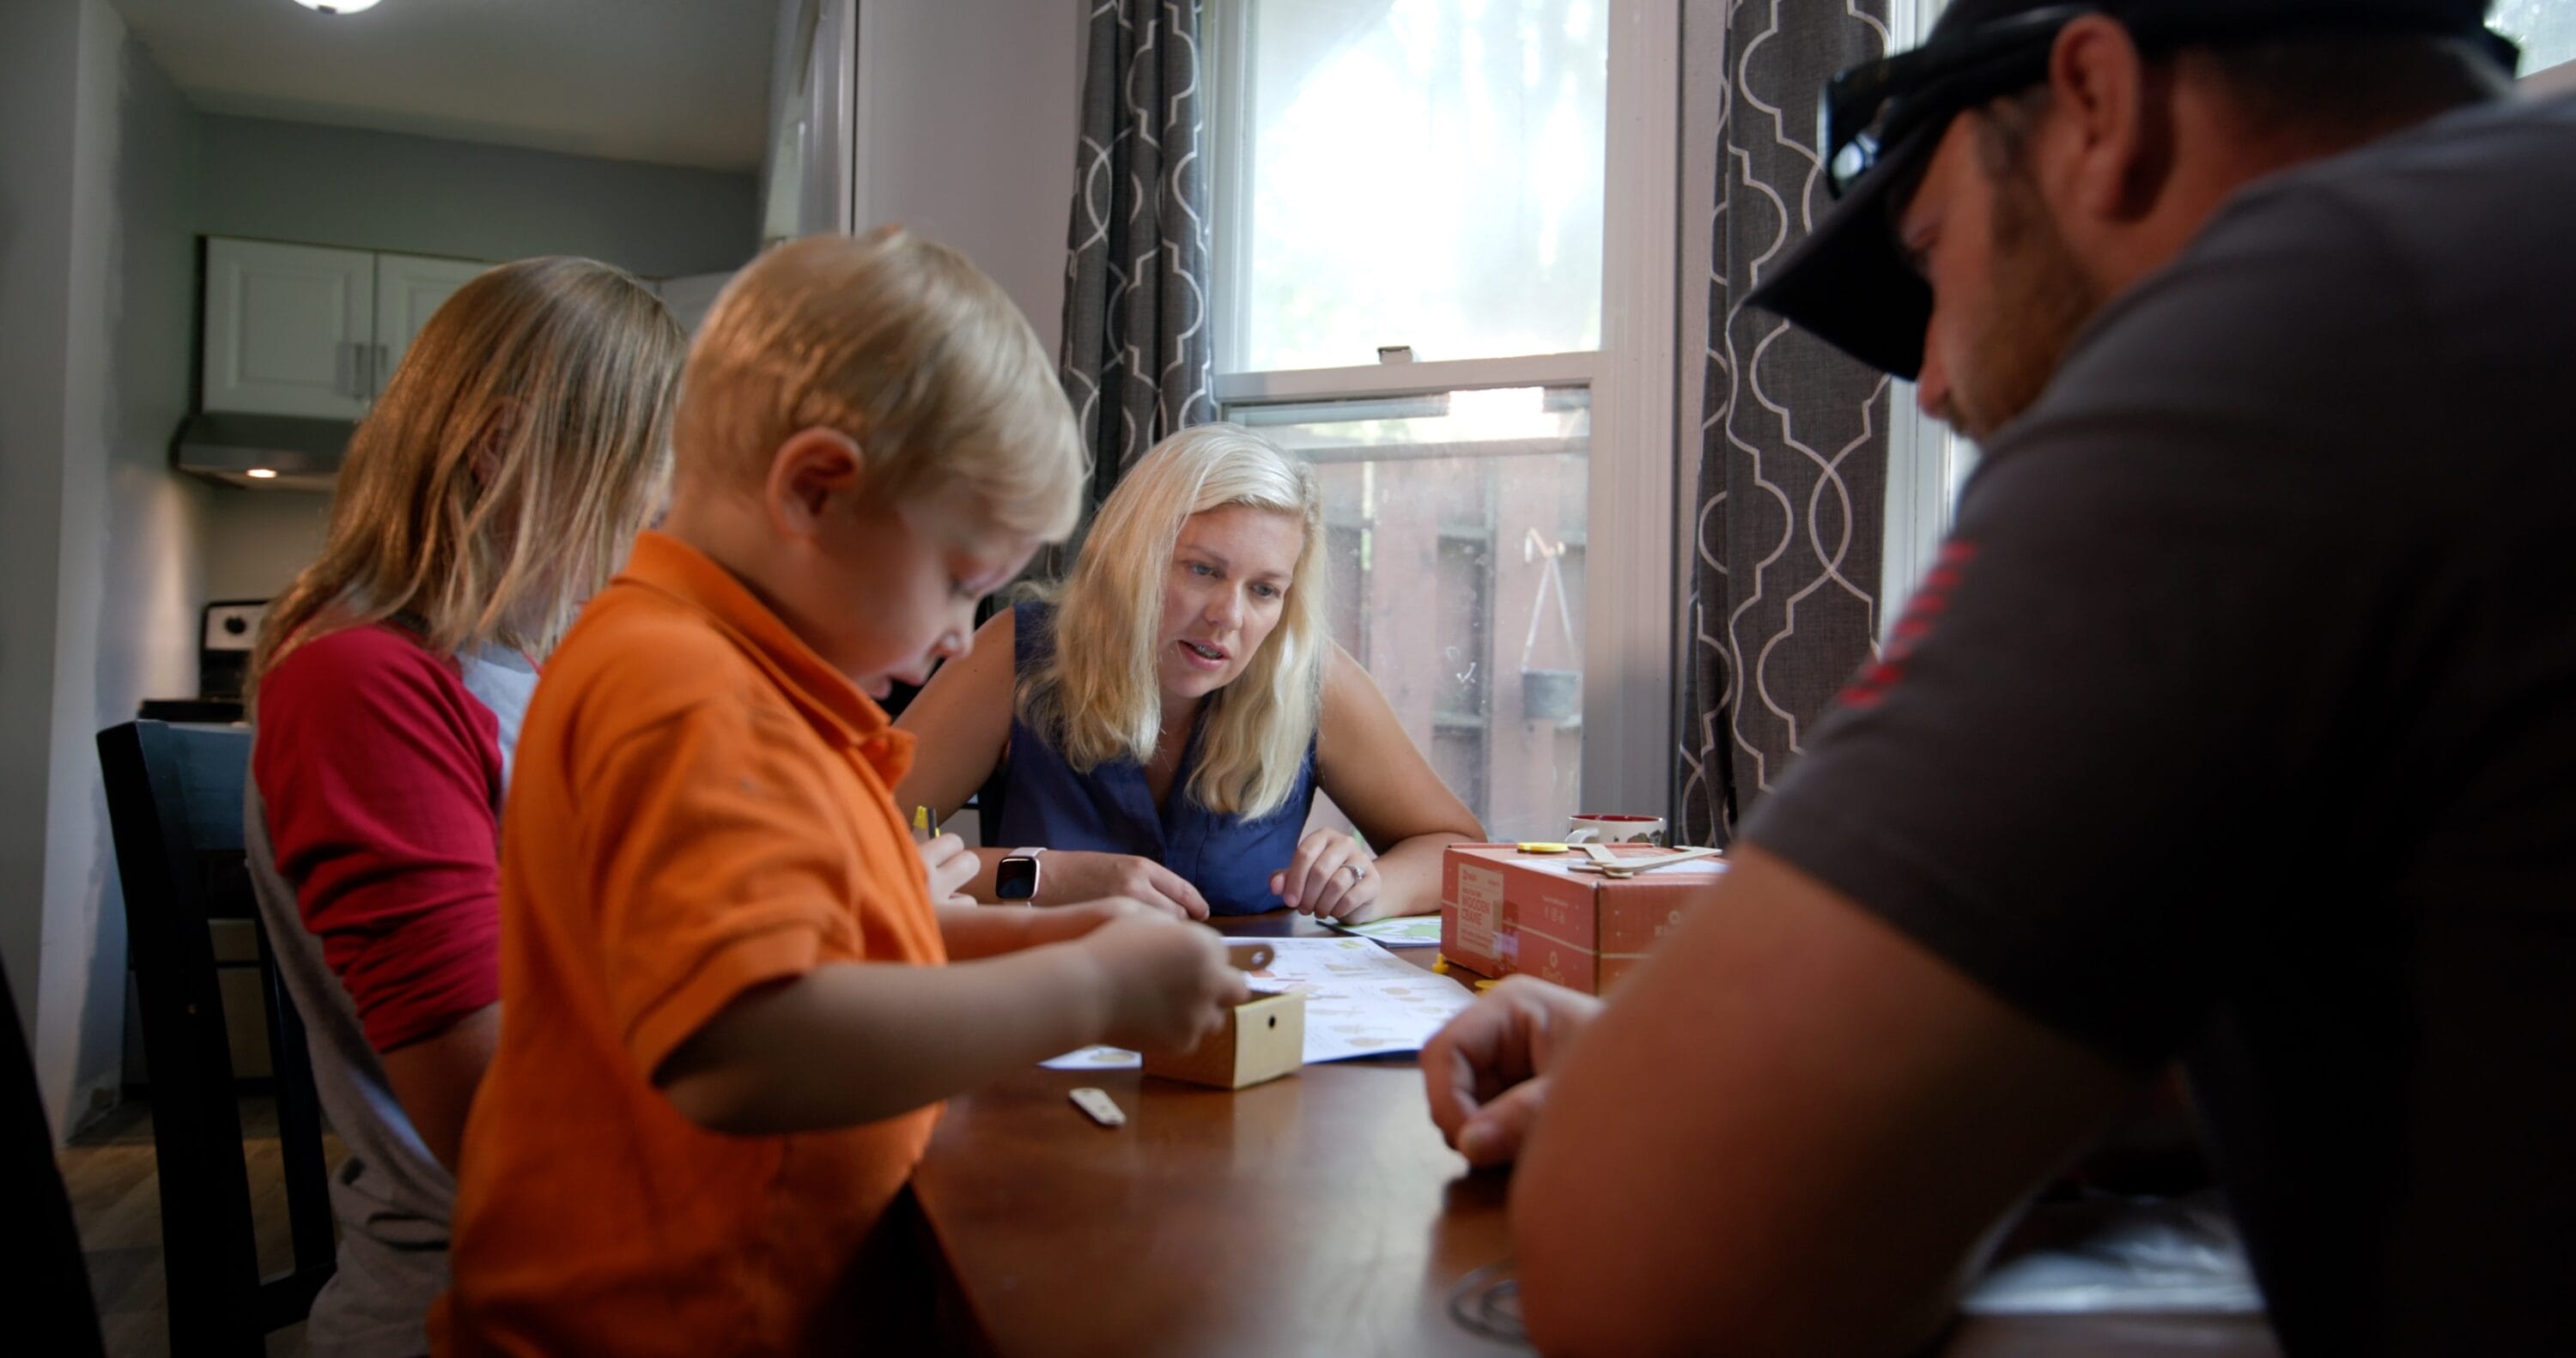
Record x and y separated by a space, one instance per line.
732 1007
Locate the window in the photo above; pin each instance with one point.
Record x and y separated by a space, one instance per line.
2545 28
1424 173
2547 31
1438 278
1458 514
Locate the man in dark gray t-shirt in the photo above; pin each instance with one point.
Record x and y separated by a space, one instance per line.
2237 724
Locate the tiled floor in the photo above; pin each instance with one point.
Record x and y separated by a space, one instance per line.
108 1170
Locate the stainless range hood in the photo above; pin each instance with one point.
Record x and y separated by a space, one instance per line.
298 451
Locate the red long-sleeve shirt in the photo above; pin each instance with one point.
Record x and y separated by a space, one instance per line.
382 778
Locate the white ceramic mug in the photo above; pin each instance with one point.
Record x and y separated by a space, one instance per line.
1605 827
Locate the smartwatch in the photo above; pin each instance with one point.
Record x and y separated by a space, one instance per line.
1017 878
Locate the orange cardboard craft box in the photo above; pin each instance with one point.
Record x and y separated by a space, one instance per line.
1504 911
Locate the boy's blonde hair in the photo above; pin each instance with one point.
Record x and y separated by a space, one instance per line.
1101 697
500 478
899 343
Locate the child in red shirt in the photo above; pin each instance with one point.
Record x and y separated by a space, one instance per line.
521 442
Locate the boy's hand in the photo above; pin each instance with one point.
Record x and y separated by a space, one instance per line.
950 866
1164 984
1486 1072
1069 875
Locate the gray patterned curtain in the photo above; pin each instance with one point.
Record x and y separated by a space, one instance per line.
1137 357
1791 504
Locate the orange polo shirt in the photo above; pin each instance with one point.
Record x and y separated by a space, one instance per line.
699 805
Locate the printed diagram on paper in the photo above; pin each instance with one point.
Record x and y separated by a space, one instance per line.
1360 1001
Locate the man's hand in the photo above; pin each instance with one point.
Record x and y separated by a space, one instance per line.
1486 1072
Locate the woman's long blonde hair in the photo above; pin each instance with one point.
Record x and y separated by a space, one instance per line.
1101 697
502 475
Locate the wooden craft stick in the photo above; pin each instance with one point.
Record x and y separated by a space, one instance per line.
1101 1108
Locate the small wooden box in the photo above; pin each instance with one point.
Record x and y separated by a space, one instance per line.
1263 1039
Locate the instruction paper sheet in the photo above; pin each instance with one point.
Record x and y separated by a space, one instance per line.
1360 1001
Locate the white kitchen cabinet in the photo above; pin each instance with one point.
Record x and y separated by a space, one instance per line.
408 289
311 330
287 328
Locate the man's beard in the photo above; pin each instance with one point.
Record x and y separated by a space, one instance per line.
2038 299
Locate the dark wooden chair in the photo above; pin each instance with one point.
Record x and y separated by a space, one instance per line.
174 797
51 1308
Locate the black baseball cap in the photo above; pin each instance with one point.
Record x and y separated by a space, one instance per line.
1848 282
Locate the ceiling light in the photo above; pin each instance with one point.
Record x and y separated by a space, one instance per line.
337 6
268 473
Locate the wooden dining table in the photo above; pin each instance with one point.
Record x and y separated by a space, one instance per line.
1316 1214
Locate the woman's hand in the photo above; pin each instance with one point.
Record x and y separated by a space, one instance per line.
1067 876
950 866
1332 877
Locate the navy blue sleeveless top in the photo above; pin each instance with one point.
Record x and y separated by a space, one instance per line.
1111 810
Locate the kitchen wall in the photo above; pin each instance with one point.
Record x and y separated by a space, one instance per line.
366 190
369 190
37 78
97 263
994 87
256 540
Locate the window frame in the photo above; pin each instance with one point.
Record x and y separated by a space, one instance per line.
1631 646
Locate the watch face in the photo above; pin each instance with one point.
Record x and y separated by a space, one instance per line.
1016 879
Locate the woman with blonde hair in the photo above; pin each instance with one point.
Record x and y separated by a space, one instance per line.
1161 728
518 448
